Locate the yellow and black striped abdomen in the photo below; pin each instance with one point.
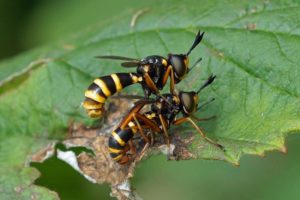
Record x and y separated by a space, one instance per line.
117 144
103 87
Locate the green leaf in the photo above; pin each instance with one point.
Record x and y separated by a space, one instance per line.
252 47
16 181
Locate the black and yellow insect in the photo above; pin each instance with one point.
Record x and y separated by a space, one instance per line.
152 73
103 87
162 115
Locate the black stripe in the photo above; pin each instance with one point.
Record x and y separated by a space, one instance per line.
125 134
112 143
125 79
113 155
109 83
95 87
93 102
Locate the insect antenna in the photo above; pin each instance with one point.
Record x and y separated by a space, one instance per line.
209 81
205 104
197 61
198 39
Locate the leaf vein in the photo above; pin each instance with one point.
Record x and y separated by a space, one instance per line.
263 11
240 66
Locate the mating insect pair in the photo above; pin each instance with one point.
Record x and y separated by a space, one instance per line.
152 73
161 116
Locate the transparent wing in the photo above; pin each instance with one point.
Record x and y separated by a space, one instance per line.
131 62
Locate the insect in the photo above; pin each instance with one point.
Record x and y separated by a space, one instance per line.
162 115
152 73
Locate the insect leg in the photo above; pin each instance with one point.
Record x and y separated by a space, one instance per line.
170 73
146 139
137 107
203 119
165 132
150 83
184 119
163 123
137 159
141 154
204 136
132 147
150 123
180 120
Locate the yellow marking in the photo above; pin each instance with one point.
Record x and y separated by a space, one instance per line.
132 126
158 105
150 116
176 99
117 81
112 150
103 86
164 62
118 157
146 68
186 61
91 105
134 129
196 102
134 78
94 95
119 140
94 113
196 98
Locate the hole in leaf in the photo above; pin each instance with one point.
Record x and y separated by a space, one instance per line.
76 150
68 183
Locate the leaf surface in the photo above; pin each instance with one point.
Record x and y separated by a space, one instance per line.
252 47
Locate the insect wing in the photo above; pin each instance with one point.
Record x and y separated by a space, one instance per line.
131 64
117 58
125 96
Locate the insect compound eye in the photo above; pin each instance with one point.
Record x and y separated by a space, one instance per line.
179 63
188 101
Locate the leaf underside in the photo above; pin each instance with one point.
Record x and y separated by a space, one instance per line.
252 47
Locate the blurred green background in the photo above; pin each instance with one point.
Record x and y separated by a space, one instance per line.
26 24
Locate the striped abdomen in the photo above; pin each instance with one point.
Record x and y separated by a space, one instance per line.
118 143
103 87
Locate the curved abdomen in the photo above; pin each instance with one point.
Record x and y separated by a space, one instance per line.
102 88
118 140
118 143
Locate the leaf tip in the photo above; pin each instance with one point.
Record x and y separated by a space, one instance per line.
237 164
262 154
283 149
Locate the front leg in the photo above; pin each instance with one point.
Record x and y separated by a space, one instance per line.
150 84
169 72
152 125
164 127
167 138
188 119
